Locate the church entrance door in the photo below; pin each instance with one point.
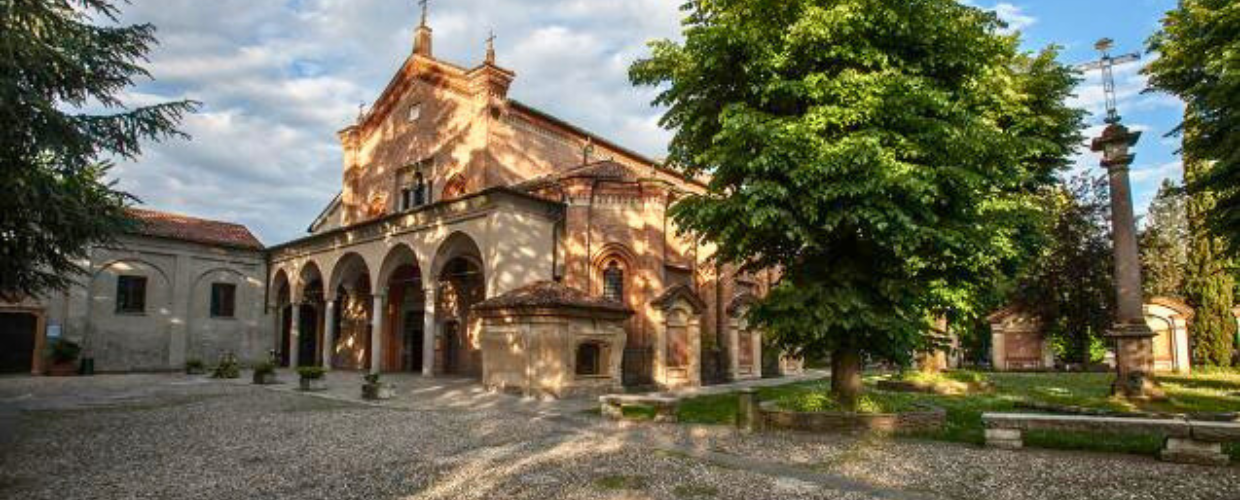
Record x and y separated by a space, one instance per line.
17 337
308 340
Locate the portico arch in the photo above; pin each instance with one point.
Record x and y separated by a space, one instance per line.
460 283
311 293
351 281
404 342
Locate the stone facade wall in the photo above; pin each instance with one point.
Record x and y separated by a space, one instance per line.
176 324
535 354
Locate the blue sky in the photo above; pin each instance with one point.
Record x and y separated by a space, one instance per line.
278 78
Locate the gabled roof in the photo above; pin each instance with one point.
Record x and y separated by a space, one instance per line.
327 211
1005 313
172 226
606 169
671 295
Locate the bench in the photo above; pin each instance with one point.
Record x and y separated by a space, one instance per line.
1187 441
612 405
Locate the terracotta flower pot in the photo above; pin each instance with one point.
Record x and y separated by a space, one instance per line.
313 384
62 369
379 392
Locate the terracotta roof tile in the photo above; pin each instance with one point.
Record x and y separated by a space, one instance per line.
180 227
549 294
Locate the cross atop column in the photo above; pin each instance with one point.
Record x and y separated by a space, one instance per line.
1107 65
423 3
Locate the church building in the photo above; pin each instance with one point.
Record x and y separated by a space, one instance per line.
475 235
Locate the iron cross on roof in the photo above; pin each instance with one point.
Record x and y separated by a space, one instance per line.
423 3
1107 64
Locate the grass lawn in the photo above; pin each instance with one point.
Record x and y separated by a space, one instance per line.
1214 391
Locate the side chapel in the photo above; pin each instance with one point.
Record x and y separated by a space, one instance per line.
475 235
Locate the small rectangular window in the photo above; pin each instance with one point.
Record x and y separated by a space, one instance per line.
223 300
589 359
131 294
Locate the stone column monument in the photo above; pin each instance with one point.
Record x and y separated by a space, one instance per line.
1134 341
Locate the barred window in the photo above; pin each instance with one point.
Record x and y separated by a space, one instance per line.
589 359
223 300
131 294
613 282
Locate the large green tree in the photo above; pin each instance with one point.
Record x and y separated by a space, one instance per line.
1209 286
56 58
1070 285
877 152
1199 61
1164 243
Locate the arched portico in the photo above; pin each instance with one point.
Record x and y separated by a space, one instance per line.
307 318
460 283
404 343
352 305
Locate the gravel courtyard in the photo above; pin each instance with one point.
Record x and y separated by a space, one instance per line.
171 436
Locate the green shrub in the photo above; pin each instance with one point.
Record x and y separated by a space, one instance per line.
311 372
194 365
264 368
64 351
227 367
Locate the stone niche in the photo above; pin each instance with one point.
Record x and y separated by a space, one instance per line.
548 340
676 315
1169 319
1017 342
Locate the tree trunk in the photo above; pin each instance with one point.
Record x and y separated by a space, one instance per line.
846 376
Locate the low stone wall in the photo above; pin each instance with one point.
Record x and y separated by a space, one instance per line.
924 419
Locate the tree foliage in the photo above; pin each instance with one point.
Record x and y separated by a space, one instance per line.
55 200
1164 243
881 153
1209 286
1199 61
1070 285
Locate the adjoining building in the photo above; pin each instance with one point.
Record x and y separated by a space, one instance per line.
1018 340
173 289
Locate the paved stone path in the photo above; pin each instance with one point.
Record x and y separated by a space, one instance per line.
169 436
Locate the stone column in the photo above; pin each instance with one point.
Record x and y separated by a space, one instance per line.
329 331
377 315
428 333
294 333
1134 341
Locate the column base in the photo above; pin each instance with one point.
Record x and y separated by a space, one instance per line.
1137 386
1134 360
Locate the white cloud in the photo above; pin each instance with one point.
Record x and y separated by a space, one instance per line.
279 78
1156 173
1014 16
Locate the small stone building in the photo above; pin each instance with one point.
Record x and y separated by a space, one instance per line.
1018 343
546 339
173 289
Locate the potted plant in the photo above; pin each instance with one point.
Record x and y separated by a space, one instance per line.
312 378
194 366
374 389
227 367
264 373
64 355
